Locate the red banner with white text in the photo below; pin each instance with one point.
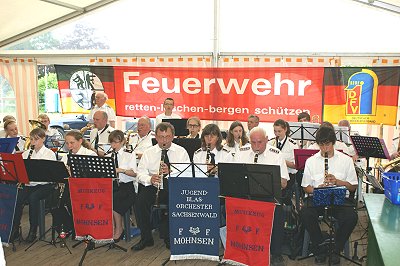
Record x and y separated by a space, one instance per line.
249 229
92 203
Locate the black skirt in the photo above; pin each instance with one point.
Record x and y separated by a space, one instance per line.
124 196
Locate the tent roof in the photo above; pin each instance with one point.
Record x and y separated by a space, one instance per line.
21 18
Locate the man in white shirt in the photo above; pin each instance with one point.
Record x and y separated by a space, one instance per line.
99 135
252 122
141 140
168 114
261 153
53 136
101 105
151 184
328 168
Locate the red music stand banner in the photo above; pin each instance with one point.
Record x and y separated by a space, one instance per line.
12 168
92 208
249 229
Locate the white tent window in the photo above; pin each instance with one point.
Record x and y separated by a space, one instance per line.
7 98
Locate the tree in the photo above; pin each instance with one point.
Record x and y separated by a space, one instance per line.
51 83
45 41
83 38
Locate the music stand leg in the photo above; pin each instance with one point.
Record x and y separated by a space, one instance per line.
113 245
41 237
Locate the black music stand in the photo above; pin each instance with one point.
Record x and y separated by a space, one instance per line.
47 171
303 131
368 147
180 126
85 166
7 145
250 181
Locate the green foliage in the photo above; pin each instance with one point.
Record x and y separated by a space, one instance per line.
43 85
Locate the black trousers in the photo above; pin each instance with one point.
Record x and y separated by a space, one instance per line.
346 217
32 195
143 206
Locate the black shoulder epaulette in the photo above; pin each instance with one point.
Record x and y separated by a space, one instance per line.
292 141
274 150
129 151
199 150
225 150
245 148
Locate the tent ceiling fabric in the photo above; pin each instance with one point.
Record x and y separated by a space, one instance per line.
21 18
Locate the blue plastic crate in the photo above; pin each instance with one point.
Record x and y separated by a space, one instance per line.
391 183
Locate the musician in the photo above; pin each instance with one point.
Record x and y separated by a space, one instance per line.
340 172
168 106
34 191
261 153
124 190
76 144
100 99
304 117
51 133
193 124
252 122
395 149
211 150
5 118
99 135
148 175
338 145
236 138
141 140
11 130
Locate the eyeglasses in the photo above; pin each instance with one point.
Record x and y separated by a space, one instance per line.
191 125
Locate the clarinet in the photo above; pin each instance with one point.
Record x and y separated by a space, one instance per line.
31 151
208 160
160 174
326 168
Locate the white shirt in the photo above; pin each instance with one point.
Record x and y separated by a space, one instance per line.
162 116
42 154
289 145
200 156
150 162
127 161
105 108
103 135
2 133
340 165
235 149
271 156
82 151
338 146
139 145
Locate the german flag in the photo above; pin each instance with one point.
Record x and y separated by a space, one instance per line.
77 85
361 95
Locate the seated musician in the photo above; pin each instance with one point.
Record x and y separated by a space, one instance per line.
34 191
236 137
141 140
124 189
100 132
338 145
5 118
148 174
53 135
340 172
252 122
259 152
193 124
11 130
76 144
211 151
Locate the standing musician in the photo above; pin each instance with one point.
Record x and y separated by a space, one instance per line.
34 191
286 145
5 118
261 153
99 135
124 189
141 140
150 174
236 138
338 170
211 152
100 99
168 106
11 130
193 124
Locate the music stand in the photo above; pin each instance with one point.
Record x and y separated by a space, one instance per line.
303 131
342 134
86 166
7 145
368 147
179 125
47 171
250 181
12 168
301 156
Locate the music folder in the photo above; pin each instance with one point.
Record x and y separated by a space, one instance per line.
301 156
46 170
7 145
